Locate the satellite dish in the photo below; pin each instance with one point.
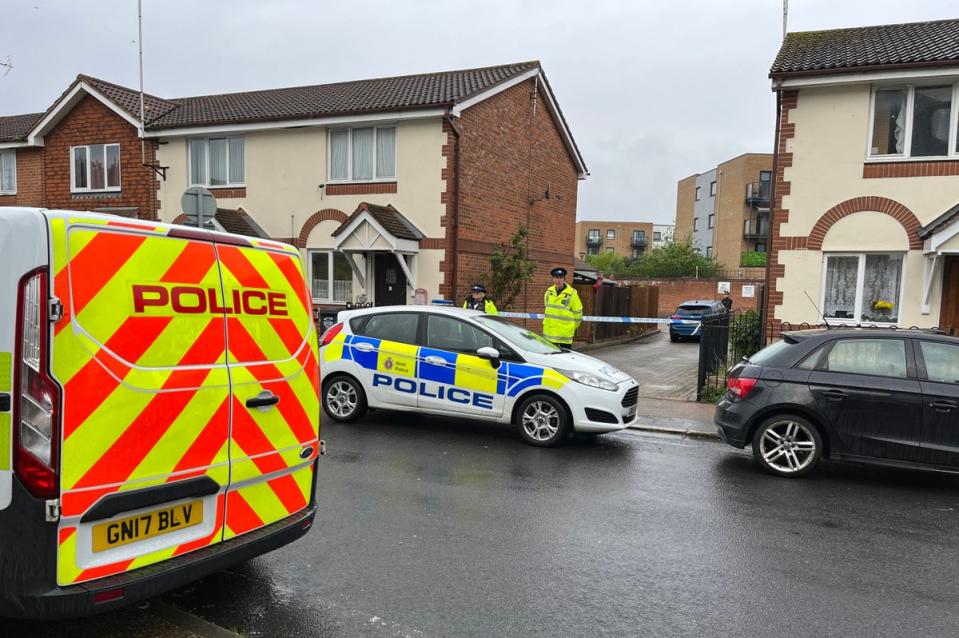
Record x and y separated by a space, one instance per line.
199 206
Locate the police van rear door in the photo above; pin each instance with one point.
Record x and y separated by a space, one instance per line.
139 354
272 354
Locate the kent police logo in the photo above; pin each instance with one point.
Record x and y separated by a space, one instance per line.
388 364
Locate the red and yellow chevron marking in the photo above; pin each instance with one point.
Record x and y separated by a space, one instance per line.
147 395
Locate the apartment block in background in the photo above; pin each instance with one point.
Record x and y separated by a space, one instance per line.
626 239
663 234
725 210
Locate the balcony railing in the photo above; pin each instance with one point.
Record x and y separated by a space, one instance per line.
756 228
594 241
757 194
638 242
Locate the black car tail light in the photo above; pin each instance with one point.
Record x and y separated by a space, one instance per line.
741 386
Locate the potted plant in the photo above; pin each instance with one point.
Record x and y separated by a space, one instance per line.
884 308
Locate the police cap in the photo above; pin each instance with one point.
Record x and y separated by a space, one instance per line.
558 272
478 288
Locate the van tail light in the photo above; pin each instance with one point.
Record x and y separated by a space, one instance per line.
36 408
330 333
741 386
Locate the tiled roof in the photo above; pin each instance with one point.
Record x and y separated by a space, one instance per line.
129 99
377 95
915 43
388 217
15 127
239 222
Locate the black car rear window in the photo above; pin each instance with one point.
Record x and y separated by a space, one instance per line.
686 311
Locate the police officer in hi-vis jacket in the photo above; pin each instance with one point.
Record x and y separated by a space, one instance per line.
564 311
478 301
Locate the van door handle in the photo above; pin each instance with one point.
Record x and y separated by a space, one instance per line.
263 400
943 406
436 361
834 395
363 346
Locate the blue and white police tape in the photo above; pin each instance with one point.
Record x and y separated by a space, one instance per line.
539 315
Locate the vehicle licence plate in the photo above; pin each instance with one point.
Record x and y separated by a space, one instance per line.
142 526
630 413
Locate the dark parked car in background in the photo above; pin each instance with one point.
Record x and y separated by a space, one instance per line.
888 397
685 321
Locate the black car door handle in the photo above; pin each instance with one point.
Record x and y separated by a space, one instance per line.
262 400
943 406
834 395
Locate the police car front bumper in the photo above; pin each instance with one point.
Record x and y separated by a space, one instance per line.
596 410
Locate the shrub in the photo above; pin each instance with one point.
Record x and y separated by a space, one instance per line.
753 259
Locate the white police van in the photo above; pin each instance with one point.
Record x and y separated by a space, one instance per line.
455 362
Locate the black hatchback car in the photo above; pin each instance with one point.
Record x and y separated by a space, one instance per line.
888 397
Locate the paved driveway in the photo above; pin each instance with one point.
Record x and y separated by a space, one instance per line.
663 369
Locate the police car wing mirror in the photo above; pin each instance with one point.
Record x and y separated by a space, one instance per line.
488 353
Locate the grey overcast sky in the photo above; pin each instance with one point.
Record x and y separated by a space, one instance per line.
653 91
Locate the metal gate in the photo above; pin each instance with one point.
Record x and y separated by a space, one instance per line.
724 339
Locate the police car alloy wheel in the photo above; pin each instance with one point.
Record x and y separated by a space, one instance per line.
542 420
343 399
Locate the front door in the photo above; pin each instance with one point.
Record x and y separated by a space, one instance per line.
949 307
865 390
390 286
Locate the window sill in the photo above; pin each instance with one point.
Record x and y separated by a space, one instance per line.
360 188
911 167
7 193
95 194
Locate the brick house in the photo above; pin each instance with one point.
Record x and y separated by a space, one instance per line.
387 185
867 177
630 240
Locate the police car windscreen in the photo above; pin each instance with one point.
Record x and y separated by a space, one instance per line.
518 335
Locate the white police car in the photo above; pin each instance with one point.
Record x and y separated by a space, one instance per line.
456 362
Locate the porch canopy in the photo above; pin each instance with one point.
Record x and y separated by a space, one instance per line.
379 229
940 237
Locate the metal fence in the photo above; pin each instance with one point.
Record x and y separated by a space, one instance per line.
724 339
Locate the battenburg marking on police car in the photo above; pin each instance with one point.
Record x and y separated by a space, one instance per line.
435 391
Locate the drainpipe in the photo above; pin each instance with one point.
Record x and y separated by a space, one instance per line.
453 228
765 316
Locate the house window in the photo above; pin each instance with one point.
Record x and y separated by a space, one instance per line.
638 252
709 251
711 221
609 249
760 247
610 234
913 121
363 154
854 284
712 189
95 167
331 278
8 172
695 223
657 236
697 193
217 162
639 235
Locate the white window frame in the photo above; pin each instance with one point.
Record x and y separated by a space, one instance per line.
10 156
329 252
860 285
88 188
610 234
906 154
206 158
349 155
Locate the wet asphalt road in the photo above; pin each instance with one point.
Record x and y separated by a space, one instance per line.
429 527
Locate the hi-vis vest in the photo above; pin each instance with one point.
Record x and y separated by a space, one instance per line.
564 312
165 338
488 306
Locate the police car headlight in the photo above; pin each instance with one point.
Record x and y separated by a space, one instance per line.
588 379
